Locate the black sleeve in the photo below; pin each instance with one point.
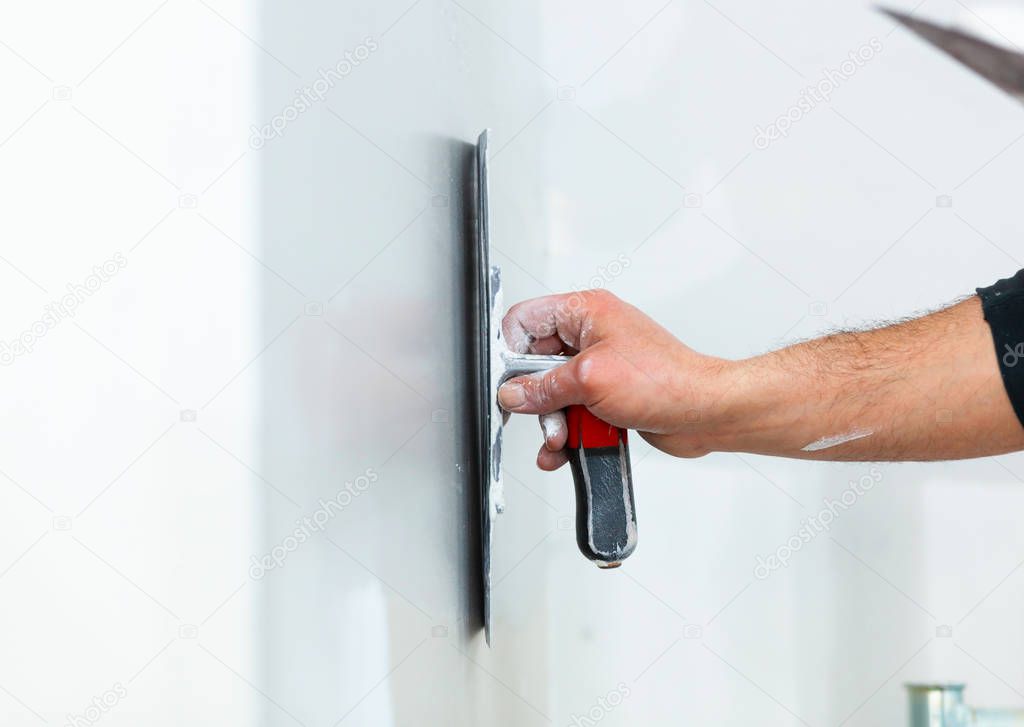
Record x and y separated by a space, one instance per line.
1003 305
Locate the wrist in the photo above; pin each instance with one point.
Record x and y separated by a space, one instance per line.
711 409
744 402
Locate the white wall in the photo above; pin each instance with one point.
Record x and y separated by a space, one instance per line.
125 528
303 299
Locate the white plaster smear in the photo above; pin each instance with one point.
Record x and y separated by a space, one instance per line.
836 439
552 425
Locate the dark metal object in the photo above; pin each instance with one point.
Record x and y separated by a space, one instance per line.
486 397
1000 66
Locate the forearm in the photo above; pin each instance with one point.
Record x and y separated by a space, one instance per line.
925 389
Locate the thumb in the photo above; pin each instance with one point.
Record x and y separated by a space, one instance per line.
548 391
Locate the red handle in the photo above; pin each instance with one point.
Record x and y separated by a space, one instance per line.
586 430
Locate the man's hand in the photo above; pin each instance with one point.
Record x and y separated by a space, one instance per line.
629 371
924 389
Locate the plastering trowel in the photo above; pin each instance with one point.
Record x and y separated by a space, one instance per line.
598 452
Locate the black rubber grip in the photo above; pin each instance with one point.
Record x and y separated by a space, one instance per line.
605 510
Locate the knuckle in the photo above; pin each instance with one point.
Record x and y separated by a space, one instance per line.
545 328
602 297
512 314
540 389
588 299
591 376
549 387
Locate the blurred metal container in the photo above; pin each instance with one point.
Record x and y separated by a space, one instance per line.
942 705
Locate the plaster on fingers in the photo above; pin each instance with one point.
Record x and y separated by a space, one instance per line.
545 324
555 430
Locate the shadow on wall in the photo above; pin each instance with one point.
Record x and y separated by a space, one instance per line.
365 387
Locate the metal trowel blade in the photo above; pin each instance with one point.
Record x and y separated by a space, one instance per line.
490 416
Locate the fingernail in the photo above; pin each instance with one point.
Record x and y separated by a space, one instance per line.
511 395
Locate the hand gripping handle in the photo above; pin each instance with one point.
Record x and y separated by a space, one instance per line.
605 510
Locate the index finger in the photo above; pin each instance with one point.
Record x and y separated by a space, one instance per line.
552 323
